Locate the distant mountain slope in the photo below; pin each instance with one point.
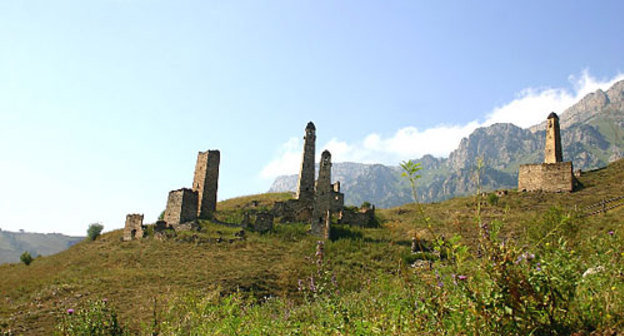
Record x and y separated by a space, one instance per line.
13 244
592 136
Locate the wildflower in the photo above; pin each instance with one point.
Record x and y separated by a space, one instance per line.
105 300
462 277
538 267
319 252
613 288
611 233
70 311
312 285
300 285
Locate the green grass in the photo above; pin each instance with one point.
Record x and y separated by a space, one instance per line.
251 286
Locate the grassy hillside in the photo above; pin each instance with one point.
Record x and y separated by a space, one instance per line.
364 272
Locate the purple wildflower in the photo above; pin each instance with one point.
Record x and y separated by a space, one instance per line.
70 311
611 233
312 285
538 267
300 285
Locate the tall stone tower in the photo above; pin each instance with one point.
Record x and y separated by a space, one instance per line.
305 185
324 196
552 153
206 182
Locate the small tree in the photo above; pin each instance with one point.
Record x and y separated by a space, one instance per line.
26 258
410 170
94 231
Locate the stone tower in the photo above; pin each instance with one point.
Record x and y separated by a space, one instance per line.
552 153
324 196
206 182
305 185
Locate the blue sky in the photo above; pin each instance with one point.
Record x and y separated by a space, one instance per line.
105 104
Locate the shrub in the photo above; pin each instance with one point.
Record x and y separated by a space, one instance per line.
26 258
492 199
94 231
98 318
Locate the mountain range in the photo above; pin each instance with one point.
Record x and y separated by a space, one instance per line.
13 244
592 135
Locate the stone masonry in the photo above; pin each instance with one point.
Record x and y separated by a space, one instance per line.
323 188
206 182
549 177
305 184
134 227
327 197
552 152
553 175
181 206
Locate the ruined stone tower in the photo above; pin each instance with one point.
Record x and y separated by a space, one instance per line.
305 185
206 182
134 228
323 201
553 175
552 153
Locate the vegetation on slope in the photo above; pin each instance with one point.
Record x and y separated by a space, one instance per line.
516 269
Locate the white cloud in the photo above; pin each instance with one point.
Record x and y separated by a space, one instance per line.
530 107
287 160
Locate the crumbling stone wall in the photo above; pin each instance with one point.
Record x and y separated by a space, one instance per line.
292 211
549 177
337 198
305 184
258 221
181 206
364 217
134 228
206 182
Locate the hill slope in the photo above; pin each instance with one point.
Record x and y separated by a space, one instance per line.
134 274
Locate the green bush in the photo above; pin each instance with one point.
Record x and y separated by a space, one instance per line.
98 318
26 258
94 231
492 199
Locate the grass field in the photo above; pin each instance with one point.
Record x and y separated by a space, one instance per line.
264 271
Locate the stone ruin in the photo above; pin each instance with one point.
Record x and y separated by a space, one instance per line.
185 206
363 217
258 221
553 175
134 228
316 202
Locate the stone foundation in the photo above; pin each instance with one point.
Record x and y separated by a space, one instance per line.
548 177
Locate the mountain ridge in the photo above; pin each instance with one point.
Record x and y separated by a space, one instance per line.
592 137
